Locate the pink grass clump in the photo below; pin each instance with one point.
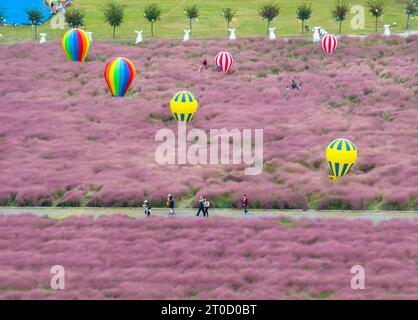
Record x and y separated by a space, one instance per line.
64 140
263 258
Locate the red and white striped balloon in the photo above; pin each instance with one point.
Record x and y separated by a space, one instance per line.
224 61
329 43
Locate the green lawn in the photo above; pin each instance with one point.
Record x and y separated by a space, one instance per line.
211 23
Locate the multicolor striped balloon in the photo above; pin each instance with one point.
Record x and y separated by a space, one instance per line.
119 74
76 44
183 106
224 61
329 43
341 155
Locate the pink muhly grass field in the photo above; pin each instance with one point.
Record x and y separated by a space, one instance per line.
158 258
65 141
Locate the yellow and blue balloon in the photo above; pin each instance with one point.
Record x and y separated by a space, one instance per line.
341 155
183 106
119 74
76 44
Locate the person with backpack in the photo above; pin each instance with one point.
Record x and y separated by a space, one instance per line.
170 205
147 208
201 206
206 211
245 204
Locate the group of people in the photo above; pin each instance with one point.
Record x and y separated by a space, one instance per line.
169 204
203 206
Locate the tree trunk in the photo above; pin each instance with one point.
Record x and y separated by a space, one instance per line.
36 31
152 28
340 25
268 26
114 32
409 27
228 26
190 25
375 29
303 31
407 23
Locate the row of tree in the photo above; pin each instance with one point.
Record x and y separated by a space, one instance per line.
113 14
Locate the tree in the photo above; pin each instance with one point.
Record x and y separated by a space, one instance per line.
35 17
228 15
113 15
269 12
74 17
153 14
191 12
340 12
303 13
410 11
376 8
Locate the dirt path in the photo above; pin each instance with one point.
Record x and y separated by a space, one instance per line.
62 213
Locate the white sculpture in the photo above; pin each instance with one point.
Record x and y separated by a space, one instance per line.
43 38
186 35
322 32
232 35
90 35
316 36
272 35
387 30
138 37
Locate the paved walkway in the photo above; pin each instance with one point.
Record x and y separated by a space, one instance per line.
62 213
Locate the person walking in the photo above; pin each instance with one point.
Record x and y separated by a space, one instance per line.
205 63
244 204
170 204
207 205
201 206
147 208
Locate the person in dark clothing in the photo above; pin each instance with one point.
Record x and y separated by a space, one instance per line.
201 206
244 204
171 203
147 208
295 86
205 63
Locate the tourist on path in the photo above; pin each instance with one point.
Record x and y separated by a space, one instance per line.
147 208
201 206
244 204
207 206
170 204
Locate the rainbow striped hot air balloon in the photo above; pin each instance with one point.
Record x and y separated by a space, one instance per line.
119 74
76 44
341 155
183 106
